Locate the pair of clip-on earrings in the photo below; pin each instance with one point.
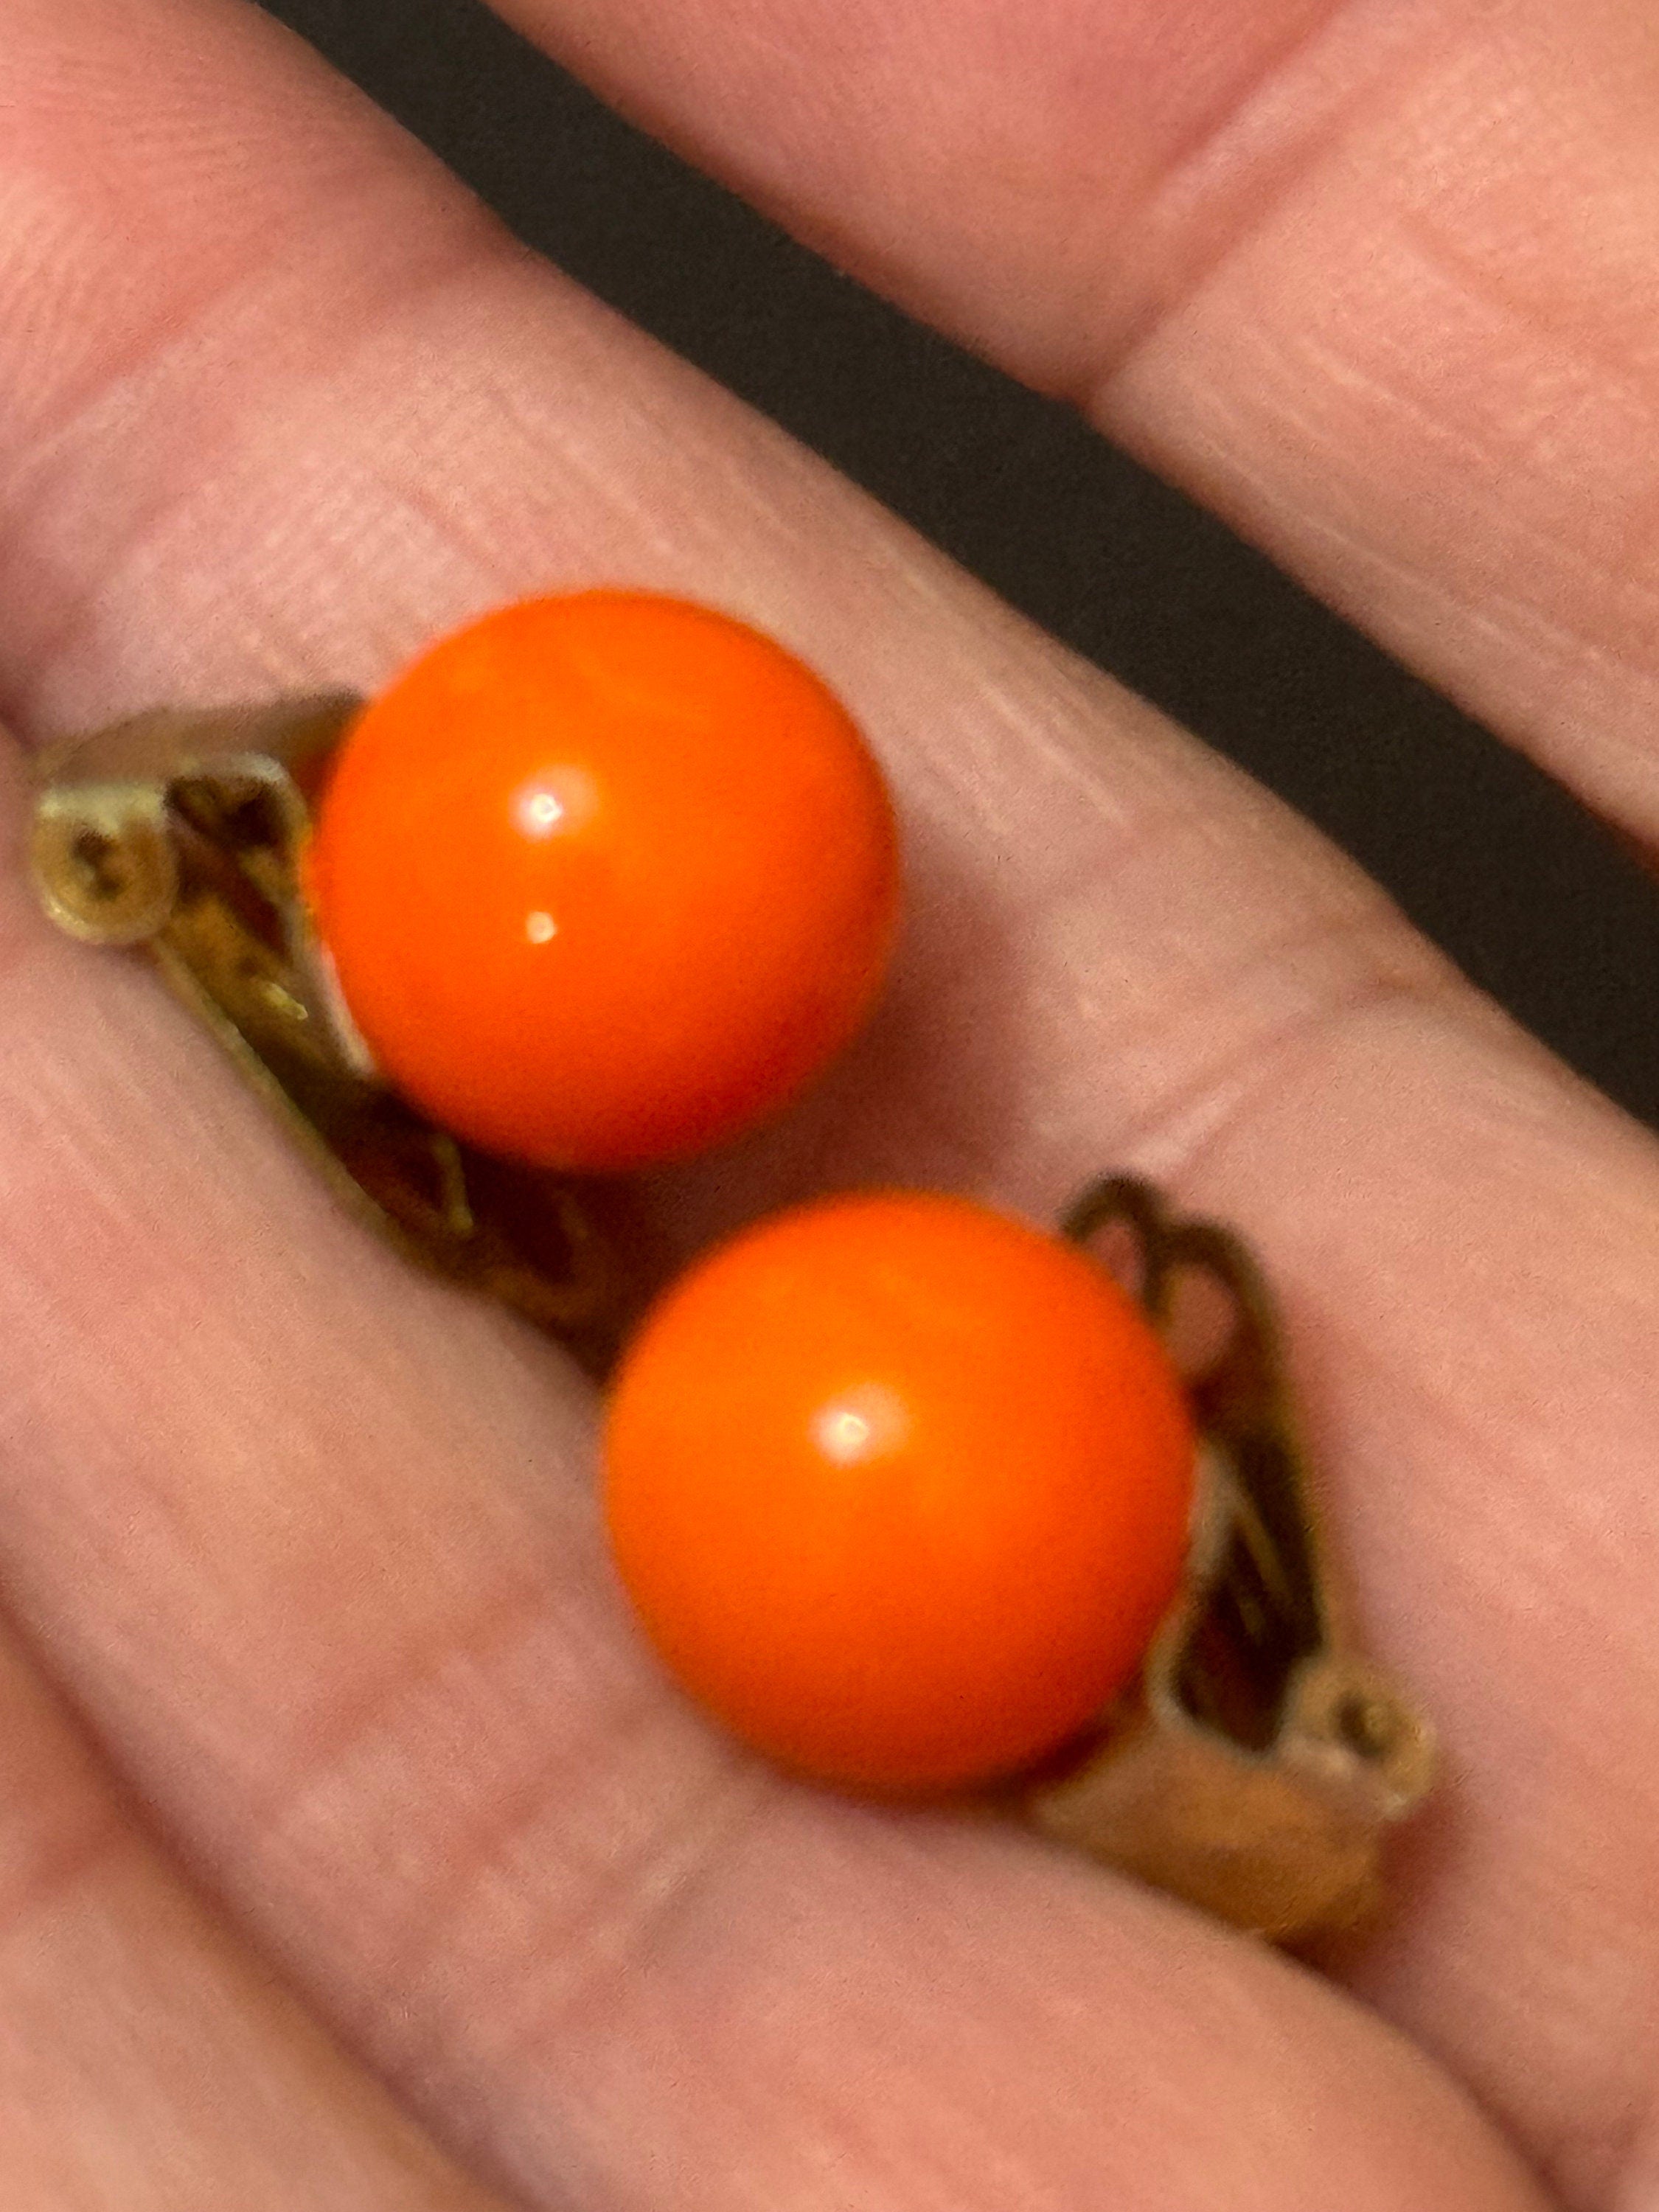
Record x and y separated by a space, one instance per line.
909 1494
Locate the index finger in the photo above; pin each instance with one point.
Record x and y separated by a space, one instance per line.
1368 277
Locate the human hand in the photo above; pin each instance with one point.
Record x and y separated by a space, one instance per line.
376 1831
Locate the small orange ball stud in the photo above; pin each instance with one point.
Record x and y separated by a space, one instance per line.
605 879
900 1488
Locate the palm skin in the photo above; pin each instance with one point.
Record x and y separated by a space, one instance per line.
353 1855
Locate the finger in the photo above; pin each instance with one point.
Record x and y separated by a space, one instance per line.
1371 280
354 1638
145 2062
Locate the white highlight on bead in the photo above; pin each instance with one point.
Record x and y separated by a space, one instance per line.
556 799
540 928
541 812
860 1426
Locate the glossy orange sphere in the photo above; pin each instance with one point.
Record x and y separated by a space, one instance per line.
604 878
900 1488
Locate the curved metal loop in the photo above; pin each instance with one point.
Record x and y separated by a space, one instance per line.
1260 1762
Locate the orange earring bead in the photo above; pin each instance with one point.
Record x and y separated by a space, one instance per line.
900 1488
604 879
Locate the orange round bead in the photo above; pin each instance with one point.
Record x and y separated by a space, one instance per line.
604 878
900 1488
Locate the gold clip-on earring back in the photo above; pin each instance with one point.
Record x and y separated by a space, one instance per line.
913 1497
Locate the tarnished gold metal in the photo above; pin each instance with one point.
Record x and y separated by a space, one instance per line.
183 833
1259 1764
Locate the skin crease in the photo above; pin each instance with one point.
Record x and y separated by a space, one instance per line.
310 1541
130 2016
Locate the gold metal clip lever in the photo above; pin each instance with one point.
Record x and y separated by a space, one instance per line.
185 833
1260 1764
